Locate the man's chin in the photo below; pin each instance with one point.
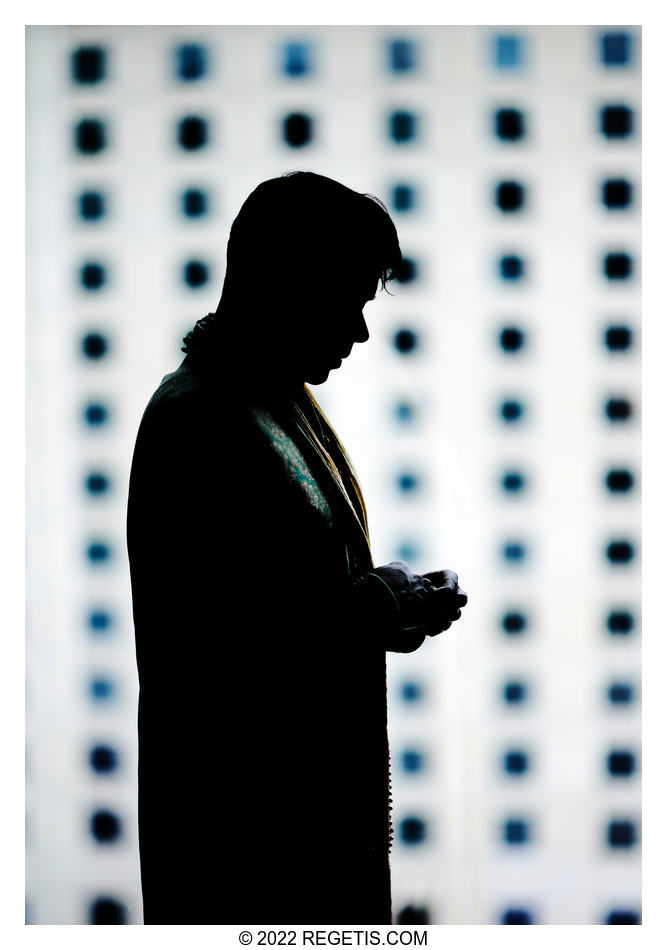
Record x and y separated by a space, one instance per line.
315 377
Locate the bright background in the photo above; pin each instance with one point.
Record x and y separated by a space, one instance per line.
493 419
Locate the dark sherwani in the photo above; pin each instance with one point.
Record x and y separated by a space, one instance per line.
263 757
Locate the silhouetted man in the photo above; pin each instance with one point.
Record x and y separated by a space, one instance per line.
261 623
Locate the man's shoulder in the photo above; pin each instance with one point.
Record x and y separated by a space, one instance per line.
181 388
190 400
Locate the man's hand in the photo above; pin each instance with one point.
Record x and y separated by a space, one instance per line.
428 603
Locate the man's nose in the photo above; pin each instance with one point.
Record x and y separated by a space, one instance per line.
361 333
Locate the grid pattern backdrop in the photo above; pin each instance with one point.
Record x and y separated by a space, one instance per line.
493 419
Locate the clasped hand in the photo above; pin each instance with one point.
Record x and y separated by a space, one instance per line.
428 603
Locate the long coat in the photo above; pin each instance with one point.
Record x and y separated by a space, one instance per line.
263 756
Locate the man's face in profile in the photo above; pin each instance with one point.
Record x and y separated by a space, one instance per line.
329 320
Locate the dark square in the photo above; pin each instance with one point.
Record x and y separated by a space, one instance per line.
511 410
616 193
622 917
297 129
107 910
98 552
103 759
195 274
89 64
619 480
620 552
93 276
516 915
402 126
620 694
194 203
406 341
91 205
511 267
616 121
621 763
412 830
514 692
621 834
510 196
97 483
511 339
513 482
94 346
413 915
618 337
514 623
407 271
95 414
620 622
403 198
516 831
618 266
192 133
105 826
515 762
509 124
618 410
90 136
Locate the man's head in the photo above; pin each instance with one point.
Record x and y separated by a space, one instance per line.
305 254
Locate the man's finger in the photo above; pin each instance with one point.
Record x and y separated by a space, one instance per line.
443 599
439 627
437 578
461 597
447 579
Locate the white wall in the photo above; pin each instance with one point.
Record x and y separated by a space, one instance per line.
464 871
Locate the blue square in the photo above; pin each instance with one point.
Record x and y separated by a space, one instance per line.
514 692
508 51
516 831
403 197
412 760
411 692
190 62
401 56
101 689
296 59
620 694
616 48
516 762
